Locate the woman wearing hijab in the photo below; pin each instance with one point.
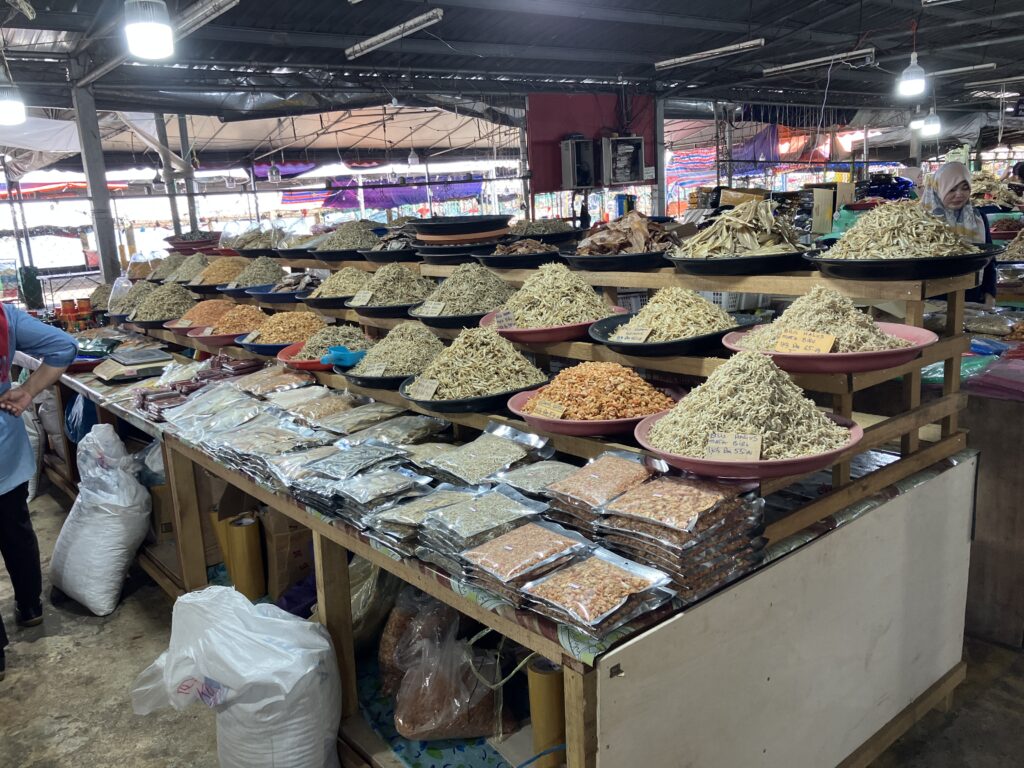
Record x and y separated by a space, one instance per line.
56 350
949 197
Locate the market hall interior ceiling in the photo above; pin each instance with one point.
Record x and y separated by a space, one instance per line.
259 59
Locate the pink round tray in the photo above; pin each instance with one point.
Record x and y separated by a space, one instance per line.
849 362
567 426
749 470
182 331
287 355
543 335
224 340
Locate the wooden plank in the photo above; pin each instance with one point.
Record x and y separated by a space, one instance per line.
356 732
803 663
840 498
334 610
580 718
188 529
155 570
941 350
911 441
842 405
286 505
937 696
951 371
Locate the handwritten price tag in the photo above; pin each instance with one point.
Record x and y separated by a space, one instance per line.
430 308
251 337
634 335
208 331
546 409
734 446
805 343
361 299
181 324
422 389
231 286
374 370
505 319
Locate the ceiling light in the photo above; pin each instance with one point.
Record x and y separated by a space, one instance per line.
395 33
928 3
147 27
911 81
414 159
997 81
12 106
273 173
714 53
917 121
867 54
932 125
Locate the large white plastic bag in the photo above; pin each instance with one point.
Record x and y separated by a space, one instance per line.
106 525
36 437
271 677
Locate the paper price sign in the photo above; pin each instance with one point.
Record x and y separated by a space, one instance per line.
546 409
208 331
181 324
430 308
251 337
422 389
734 446
374 370
635 335
231 286
361 299
505 319
805 343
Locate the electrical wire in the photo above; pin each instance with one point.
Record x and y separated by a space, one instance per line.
539 755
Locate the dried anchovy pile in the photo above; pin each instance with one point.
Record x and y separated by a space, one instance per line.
480 362
261 271
242 319
677 313
197 234
100 296
333 336
253 238
345 282
600 391
1014 251
633 233
471 289
348 236
190 268
749 229
824 310
290 327
168 302
554 295
748 394
899 230
407 349
207 313
541 227
527 245
394 284
127 303
222 271
168 266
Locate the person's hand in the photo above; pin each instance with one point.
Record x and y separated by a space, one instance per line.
15 401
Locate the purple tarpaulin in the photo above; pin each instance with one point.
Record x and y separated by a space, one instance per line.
413 193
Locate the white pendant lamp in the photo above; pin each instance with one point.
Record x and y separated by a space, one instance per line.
912 79
12 106
932 125
147 28
917 121
273 173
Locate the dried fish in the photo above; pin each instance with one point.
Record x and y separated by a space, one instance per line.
333 336
899 230
168 302
261 271
349 235
633 233
407 349
554 295
471 289
749 229
676 313
345 282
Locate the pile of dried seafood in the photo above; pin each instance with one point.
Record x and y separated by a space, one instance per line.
749 229
633 233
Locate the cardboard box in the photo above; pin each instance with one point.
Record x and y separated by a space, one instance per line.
161 522
289 551
738 197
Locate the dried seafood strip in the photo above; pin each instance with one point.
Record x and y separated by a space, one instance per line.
633 233
749 229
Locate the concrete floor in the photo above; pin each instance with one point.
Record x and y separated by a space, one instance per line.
65 702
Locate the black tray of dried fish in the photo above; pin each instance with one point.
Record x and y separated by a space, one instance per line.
291 253
446 259
265 293
390 257
241 291
921 268
488 403
385 310
768 264
518 260
617 262
371 382
254 252
349 254
477 245
555 238
458 225
205 289
330 302
449 321
698 346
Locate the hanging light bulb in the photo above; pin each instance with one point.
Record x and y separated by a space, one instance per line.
917 120
12 106
932 125
911 82
230 182
147 27
273 173
414 159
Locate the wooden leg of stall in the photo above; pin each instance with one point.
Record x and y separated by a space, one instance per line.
911 441
188 528
951 371
842 405
580 715
334 609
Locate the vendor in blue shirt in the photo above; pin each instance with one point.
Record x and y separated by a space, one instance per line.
18 545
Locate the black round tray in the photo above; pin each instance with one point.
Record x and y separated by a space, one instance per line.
150 323
392 310
371 382
619 262
708 344
254 252
349 254
208 290
333 302
292 253
446 259
518 260
449 321
426 249
459 225
116 318
770 264
262 293
487 403
390 257
555 238
927 268
241 292
151 280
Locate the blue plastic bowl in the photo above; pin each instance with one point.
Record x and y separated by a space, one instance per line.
343 357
